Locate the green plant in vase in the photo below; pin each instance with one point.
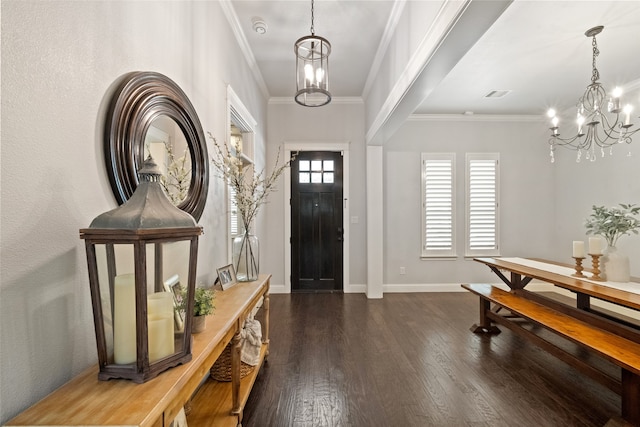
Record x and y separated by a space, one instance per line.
613 223
203 305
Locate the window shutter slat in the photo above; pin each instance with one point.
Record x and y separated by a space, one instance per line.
482 205
438 209
233 217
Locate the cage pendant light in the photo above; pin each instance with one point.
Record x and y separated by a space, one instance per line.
312 69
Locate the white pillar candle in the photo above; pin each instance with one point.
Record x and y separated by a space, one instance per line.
595 245
160 323
578 249
124 319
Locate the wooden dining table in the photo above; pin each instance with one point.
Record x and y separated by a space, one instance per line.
609 329
517 273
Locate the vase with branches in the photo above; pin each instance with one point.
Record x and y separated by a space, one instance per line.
250 189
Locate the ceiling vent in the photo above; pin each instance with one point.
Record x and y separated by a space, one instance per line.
497 93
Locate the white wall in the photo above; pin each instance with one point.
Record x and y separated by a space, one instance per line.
608 181
338 122
527 194
60 63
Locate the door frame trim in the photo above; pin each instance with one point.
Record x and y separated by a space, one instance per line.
293 146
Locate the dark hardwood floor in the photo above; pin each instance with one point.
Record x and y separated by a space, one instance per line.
410 360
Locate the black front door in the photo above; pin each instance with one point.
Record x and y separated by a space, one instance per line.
317 232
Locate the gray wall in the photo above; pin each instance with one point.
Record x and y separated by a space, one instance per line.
526 193
608 181
338 122
60 60
543 208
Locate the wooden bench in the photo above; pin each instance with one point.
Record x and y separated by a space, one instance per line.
612 347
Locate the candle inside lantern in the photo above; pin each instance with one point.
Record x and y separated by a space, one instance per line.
160 322
124 319
578 249
595 246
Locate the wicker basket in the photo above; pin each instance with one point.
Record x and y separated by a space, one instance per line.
221 370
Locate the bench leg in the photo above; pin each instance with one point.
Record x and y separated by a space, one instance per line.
485 326
631 397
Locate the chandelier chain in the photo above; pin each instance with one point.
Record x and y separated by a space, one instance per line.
595 75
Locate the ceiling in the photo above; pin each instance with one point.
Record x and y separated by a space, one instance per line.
535 49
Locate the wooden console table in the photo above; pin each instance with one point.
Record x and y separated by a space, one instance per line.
87 401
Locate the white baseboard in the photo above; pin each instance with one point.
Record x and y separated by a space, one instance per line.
453 287
277 288
356 289
419 287
352 289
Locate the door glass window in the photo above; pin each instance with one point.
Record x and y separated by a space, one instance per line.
316 172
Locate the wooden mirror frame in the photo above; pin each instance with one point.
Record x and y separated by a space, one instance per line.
138 101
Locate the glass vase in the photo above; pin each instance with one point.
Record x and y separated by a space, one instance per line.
616 265
246 257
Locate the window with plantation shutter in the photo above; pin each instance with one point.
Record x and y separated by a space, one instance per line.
233 213
438 207
482 237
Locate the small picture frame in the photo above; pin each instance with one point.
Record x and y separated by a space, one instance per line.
173 285
227 276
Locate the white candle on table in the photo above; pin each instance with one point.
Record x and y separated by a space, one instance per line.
595 246
124 319
160 322
578 249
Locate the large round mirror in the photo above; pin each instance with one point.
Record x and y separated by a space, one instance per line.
151 115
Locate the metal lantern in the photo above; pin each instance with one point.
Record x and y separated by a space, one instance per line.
312 69
142 260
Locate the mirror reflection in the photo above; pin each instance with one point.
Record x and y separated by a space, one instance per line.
167 144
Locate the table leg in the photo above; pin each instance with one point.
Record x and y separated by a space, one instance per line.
630 397
235 371
516 281
265 337
485 326
583 301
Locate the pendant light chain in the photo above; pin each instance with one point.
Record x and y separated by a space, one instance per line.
312 29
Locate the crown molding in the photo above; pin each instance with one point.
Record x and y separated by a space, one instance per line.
387 36
232 18
283 100
474 118
449 13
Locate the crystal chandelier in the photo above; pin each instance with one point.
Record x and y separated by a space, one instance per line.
595 127
312 69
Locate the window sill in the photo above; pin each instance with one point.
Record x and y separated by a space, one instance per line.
438 257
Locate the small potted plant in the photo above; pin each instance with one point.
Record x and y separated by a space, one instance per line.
202 306
611 224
